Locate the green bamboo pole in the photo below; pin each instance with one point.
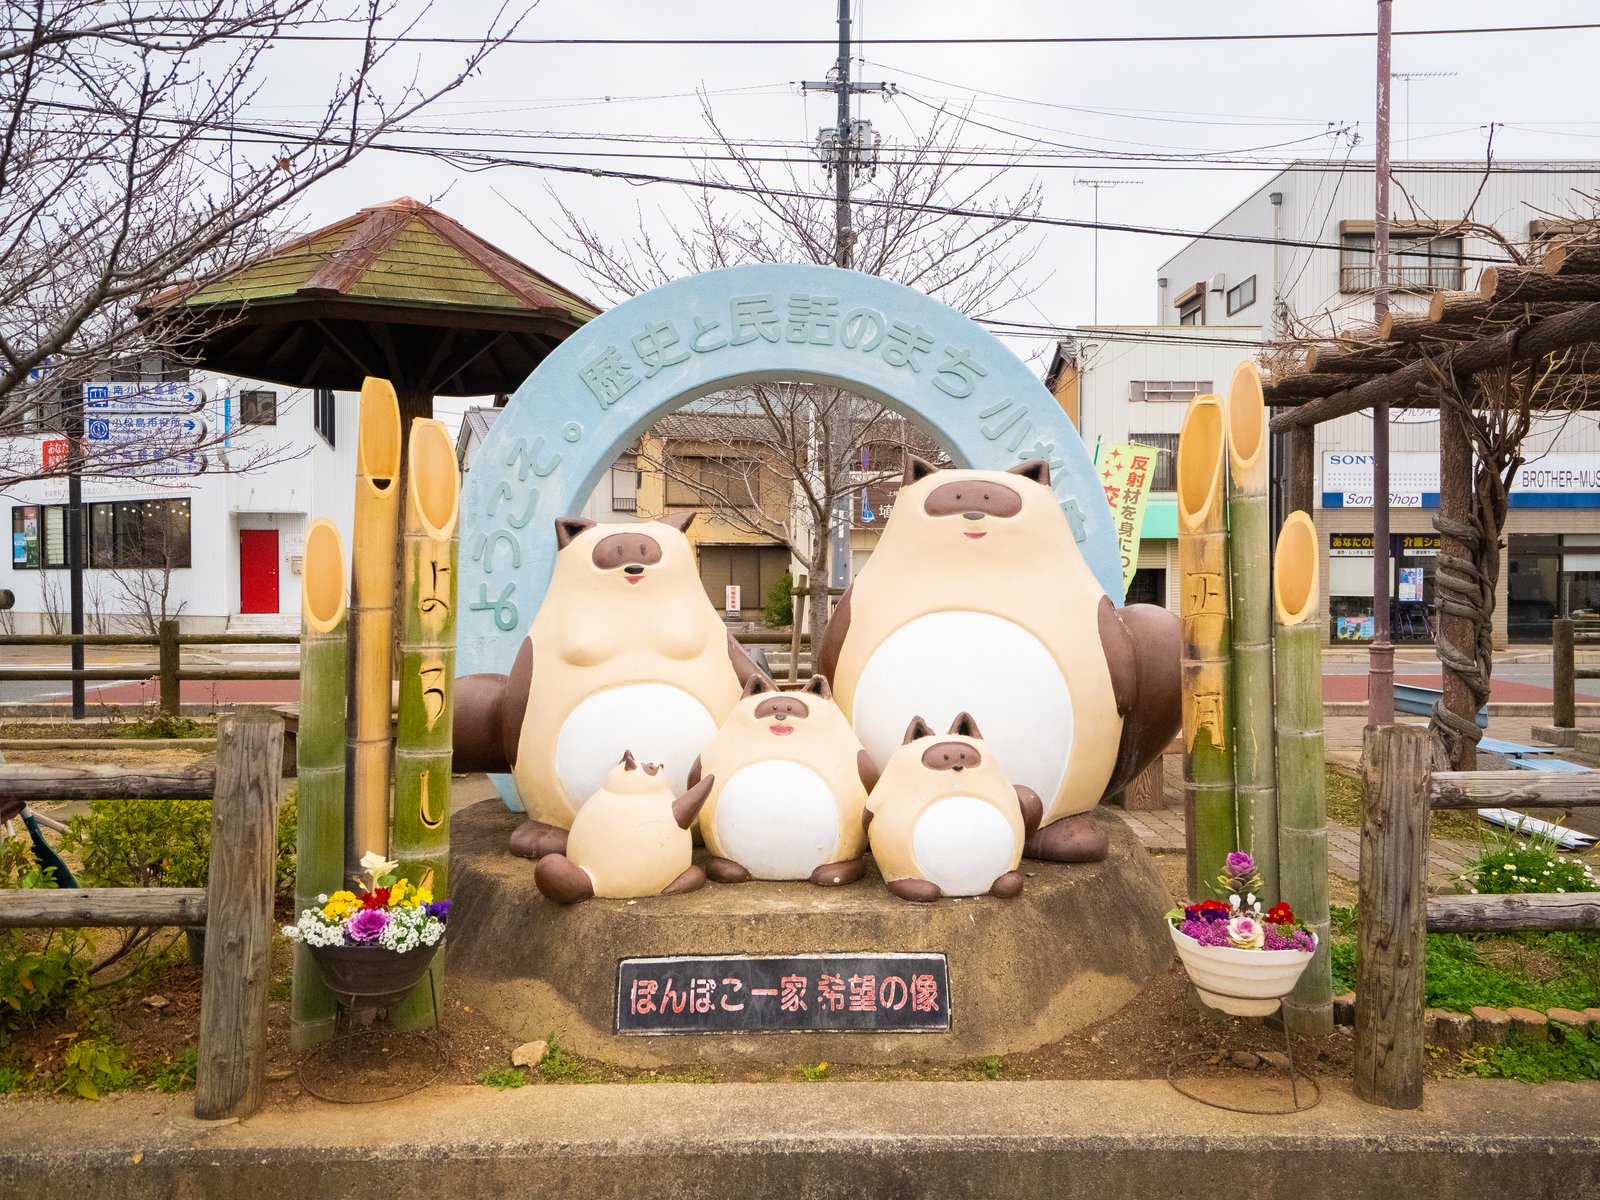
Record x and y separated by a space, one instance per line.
372 623
319 755
1249 572
1302 777
1203 561
427 678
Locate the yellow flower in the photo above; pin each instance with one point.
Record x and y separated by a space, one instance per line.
423 896
397 893
340 905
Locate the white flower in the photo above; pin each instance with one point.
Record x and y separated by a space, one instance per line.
376 863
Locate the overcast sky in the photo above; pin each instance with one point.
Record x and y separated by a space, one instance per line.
1239 100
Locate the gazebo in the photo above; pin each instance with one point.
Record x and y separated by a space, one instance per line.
398 290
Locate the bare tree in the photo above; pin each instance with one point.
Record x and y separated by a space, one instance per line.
143 565
814 436
126 165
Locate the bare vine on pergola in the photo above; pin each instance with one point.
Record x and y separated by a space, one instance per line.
1494 412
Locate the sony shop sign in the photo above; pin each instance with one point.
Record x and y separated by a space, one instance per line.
1552 481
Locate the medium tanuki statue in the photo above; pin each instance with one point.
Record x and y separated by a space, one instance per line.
791 783
625 653
977 599
945 821
631 838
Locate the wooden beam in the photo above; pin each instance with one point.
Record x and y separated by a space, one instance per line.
25 781
1579 325
1295 386
1406 328
1468 308
1337 360
1389 1051
1505 914
1572 258
92 908
1514 789
1529 285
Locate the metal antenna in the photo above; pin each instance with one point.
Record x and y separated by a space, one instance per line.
1406 77
1097 185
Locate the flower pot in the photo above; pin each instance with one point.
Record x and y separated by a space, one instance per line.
371 976
1243 983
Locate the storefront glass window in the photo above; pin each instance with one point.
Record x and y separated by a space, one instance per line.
1533 594
1350 617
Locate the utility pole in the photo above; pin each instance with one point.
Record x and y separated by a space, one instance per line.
1097 185
1380 662
849 149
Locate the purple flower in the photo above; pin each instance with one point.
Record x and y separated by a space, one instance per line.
1240 863
439 909
367 925
1207 933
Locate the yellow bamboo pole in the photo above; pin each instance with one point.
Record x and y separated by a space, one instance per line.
377 516
427 682
1203 563
1249 563
319 751
1302 770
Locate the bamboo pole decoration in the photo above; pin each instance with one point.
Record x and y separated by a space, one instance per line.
1302 777
422 752
319 754
372 623
1249 577
1203 562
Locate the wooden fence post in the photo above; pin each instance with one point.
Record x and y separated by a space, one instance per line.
1564 705
231 1078
1393 915
168 641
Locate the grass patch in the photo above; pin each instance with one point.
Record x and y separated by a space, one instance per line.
560 1065
161 728
985 1068
177 1074
11 1079
1530 970
692 1075
503 1078
1344 808
816 1074
1575 1055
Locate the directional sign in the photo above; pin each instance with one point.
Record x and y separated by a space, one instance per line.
110 398
147 461
168 429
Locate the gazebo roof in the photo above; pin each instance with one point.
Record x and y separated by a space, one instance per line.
319 311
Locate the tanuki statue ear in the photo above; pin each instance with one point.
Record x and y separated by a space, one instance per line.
629 761
965 726
679 520
818 686
917 729
1035 469
916 468
568 528
758 684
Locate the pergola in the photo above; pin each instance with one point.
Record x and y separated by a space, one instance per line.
398 290
1534 324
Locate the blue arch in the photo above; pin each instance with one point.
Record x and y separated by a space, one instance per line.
622 372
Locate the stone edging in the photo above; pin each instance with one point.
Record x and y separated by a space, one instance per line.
1491 1026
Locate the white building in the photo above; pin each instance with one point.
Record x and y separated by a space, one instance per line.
1451 221
223 543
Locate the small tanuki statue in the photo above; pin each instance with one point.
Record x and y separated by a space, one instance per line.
792 781
631 838
945 821
625 653
977 599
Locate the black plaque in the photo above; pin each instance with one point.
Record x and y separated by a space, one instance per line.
801 993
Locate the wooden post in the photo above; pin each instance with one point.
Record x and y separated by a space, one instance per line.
802 589
1393 908
169 668
1457 591
1302 468
1564 705
231 1078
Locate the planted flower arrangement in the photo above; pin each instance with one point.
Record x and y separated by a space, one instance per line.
1241 960
373 944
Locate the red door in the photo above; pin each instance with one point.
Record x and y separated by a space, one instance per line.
258 570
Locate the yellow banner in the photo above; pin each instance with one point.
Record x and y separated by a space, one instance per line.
1126 471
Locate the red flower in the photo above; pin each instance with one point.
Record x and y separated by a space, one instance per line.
1280 914
1214 906
377 898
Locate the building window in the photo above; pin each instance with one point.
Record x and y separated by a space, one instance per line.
139 533
1165 476
1241 295
258 406
624 489
692 482
39 537
322 415
1191 306
1165 391
1419 261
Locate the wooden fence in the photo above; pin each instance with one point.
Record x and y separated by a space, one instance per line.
169 668
1565 635
235 906
1396 913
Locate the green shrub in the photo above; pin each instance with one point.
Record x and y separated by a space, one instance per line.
95 1066
779 606
162 843
41 971
177 1074
12 1078
161 727
1573 1055
560 1065
503 1078
1513 866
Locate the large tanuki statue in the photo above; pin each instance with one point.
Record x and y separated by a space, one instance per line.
977 599
626 654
